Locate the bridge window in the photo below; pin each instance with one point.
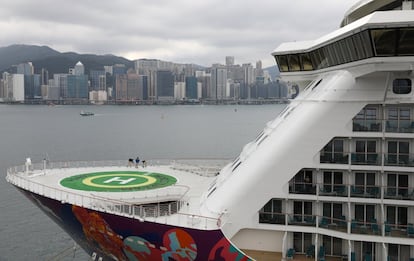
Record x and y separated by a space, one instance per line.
406 42
384 41
293 62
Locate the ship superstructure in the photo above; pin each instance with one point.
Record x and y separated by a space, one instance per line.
331 177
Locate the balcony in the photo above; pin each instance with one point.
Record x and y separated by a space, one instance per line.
369 158
367 125
393 126
340 224
334 158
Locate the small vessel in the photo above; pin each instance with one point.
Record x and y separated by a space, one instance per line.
330 178
86 113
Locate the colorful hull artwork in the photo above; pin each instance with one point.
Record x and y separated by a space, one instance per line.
115 237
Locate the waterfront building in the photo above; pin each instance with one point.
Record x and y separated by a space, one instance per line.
18 87
191 87
218 82
165 84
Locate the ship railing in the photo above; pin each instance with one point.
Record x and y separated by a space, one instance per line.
204 167
163 208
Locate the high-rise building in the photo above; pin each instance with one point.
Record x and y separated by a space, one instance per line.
98 80
77 87
218 82
79 69
191 87
229 60
25 68
18 87
165 84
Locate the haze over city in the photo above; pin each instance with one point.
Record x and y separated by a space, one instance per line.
181 31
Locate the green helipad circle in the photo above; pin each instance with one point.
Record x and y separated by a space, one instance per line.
117 181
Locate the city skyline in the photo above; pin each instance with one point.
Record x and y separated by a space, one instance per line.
149 81
181 31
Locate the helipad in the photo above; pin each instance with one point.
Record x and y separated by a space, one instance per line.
117 181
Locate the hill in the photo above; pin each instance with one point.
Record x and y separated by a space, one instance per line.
54 61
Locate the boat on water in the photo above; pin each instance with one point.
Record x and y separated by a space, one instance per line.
86 113
330 178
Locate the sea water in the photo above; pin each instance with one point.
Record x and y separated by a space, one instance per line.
59 133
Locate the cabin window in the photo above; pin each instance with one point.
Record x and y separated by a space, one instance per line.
401 86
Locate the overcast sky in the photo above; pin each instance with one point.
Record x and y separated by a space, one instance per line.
184 31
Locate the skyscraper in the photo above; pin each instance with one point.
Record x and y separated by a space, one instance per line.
79 69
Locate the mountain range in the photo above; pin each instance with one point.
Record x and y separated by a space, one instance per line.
57 62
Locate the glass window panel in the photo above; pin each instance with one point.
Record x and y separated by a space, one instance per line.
371 113
403 181
315 59
293 62
401 86
282 63
366 43
327 177
323 59
351 48
359 212
392 147
392 114
308 208
391 214
384 41
337 246
307 238
370 213
338 145
370 179
297 241
345 51
306 62
327 244
404 147
402 216
360 52
360 146
297 207
359 178
337 177
392 180
338 52
406 41
371 146
277 206
337 211
404 113
327 209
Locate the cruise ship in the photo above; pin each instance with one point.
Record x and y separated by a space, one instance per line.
331 178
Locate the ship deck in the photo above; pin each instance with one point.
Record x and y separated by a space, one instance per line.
158 189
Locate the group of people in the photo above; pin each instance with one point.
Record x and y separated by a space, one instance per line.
131 162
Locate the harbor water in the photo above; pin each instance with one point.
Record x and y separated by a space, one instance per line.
59 133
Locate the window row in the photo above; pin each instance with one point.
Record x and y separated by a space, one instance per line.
304 244
369 152
363 219
362 45
359 184
390 119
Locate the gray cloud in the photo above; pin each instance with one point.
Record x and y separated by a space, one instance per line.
188 31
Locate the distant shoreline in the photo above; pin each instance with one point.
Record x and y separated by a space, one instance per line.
149 102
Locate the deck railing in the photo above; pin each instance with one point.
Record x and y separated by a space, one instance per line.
161 203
